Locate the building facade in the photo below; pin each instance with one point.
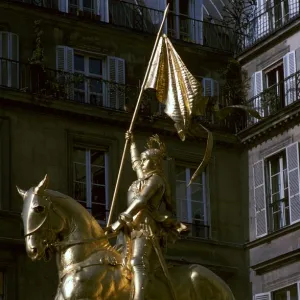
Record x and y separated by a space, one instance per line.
70 75
271 58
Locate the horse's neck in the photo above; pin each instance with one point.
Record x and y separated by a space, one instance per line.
81 237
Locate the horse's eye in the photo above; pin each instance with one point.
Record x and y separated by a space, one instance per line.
39 209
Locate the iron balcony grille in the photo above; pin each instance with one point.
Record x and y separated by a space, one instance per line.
268 19
148 20
275 98
55 84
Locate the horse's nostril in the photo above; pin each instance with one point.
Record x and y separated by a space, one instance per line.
34 250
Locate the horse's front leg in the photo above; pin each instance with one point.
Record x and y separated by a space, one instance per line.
59 295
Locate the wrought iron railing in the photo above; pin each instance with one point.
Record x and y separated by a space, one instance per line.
197 229
146 20
56 84
53 84
276 97
268 19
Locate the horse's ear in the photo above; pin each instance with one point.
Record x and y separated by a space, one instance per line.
42 185
21 192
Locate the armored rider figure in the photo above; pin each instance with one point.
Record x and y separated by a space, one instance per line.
143 216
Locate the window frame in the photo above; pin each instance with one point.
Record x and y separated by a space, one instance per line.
205 194
110 145
88 180
89 76
268 191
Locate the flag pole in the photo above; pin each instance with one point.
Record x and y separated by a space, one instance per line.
134 117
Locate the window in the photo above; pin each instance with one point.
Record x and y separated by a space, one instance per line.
9 57
91 89
88 8
90 187
288 293
185 20
2 292
192 201
99 80
210 87
274 87
277 191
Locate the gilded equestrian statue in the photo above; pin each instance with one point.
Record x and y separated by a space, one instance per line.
90 268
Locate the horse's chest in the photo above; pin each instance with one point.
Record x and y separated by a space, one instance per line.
94 282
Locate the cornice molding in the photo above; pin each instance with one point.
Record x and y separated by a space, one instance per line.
276 262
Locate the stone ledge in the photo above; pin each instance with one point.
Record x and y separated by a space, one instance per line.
277 262
272 236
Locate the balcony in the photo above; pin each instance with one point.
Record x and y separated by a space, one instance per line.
269 19
54 84
145 20
275 98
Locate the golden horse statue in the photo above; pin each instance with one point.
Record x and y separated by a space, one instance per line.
89 267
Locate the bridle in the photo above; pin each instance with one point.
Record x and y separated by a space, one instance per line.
57 244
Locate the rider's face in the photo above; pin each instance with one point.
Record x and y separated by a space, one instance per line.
147 164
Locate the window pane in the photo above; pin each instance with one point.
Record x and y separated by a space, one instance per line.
180 173
4 73
95 86
79 172
1 285
98 194
274 166
181 190
79 155
197 210
275 184
97 158
196 192
184 211
80 191
99 212
79 62
98 175
95 66
4 45
88 5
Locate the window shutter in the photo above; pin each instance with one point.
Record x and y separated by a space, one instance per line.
65 63
262 25
195 26
293 8
63 6
207 86
9 66
289 68
257 90
116 88
215 88
263 296
260 199
103 10
65 59
292 153
297 58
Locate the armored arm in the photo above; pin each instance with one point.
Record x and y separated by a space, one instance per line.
141 200
135 155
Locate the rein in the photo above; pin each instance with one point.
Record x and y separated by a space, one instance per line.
86 241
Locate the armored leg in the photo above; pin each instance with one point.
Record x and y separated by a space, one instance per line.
140 264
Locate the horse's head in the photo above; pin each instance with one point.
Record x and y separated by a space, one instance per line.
42 221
